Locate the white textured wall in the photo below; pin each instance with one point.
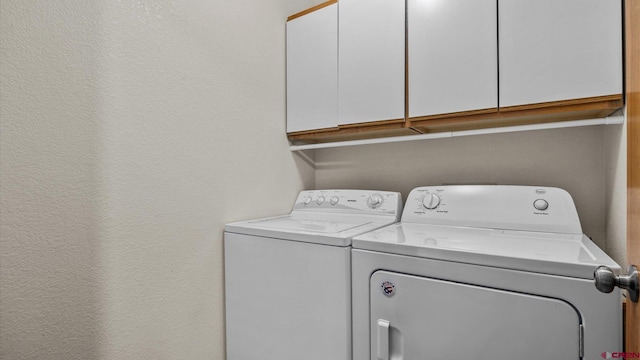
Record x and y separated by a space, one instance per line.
615 143
49 188
572 159
131 132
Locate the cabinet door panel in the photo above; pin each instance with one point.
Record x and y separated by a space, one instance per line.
453 56
312 70
371 60
553 50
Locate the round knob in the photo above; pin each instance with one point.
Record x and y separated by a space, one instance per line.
307 200
320 200
605 279
334 200
375 201
541 204
431 201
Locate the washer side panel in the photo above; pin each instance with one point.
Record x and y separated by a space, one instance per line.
286 300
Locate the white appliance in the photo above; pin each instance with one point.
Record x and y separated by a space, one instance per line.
485 273
288 278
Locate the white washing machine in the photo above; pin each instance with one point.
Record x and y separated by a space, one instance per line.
288 278
485 273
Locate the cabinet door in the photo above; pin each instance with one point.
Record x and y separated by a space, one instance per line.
554 50
371 60
312 70
453 56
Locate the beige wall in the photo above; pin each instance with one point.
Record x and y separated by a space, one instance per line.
131 132
572 159
615 144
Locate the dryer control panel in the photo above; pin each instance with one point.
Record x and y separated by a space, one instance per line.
524 208
350 201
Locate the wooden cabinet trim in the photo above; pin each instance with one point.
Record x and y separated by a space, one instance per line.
577 109
373 123
350 128
454 115
616 98
476 122
312 9
312 132
366 128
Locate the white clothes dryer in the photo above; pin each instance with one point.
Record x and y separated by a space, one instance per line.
485 273
288 278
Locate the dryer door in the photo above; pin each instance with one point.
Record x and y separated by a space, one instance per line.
422 318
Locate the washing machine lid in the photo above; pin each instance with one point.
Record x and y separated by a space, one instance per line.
330 217
549 253
328 229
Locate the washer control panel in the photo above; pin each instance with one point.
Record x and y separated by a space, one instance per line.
351 201
526 208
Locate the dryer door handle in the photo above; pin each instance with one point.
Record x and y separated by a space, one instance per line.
606 280
383 339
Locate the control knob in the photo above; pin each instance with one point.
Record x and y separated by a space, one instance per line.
320 200
541 204
375 201
431 201
334 200
307 200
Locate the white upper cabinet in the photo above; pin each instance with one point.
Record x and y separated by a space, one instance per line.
552 50
453 56
312 70
371 60
438 65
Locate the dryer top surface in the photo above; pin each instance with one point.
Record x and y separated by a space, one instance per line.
550 253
